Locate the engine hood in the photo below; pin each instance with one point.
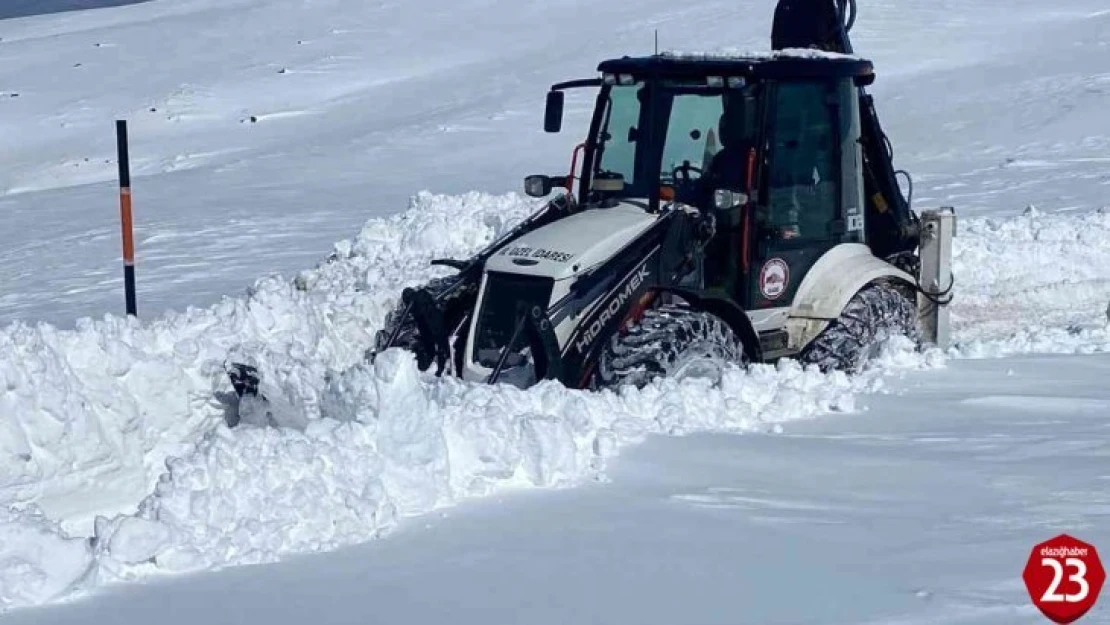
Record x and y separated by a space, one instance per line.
573 244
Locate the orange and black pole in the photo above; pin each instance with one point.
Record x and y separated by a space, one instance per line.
125 217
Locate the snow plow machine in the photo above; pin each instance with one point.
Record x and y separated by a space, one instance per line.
729 209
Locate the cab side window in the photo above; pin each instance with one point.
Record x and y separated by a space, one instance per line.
803 189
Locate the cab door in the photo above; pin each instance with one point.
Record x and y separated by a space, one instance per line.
799 215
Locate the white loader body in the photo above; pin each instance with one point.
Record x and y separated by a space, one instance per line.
561 251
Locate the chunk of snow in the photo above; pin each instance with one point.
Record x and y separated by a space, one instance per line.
138 540
38 561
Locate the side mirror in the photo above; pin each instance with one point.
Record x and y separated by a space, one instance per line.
541 186
553 114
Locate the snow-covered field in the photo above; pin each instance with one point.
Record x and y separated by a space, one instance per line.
950 464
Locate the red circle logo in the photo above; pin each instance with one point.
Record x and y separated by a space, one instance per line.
773 278
1064 577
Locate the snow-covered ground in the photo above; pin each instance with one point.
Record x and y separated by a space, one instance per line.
994 105
920 508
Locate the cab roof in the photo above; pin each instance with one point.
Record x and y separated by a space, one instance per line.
780 64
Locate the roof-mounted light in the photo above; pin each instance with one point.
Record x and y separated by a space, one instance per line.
626 79
715 81
609 79
736 82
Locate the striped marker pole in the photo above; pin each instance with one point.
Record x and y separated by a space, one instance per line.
125 217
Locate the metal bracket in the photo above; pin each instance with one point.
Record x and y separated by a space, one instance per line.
545 346
938 228
429 320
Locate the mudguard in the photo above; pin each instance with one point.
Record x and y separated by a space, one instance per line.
826 289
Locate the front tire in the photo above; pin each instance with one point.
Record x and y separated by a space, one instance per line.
670 341
874 315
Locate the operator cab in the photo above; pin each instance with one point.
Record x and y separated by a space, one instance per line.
768 145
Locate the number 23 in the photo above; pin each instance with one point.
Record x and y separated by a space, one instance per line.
1080 577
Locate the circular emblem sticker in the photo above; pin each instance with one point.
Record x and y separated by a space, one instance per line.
773 278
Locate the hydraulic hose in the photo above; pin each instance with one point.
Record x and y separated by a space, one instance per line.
848 13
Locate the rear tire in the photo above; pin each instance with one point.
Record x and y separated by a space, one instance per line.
874 315
672 341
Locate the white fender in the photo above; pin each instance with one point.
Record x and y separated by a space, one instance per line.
837 276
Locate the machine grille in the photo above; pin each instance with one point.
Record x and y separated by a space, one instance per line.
505 295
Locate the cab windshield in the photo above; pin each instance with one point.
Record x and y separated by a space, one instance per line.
695 130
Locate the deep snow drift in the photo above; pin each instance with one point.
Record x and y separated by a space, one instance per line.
128 409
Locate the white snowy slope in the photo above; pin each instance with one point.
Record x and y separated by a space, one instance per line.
361 104
358 105
995 105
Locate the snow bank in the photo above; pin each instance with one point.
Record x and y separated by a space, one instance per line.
394 442
125 420
100 408
1032 283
